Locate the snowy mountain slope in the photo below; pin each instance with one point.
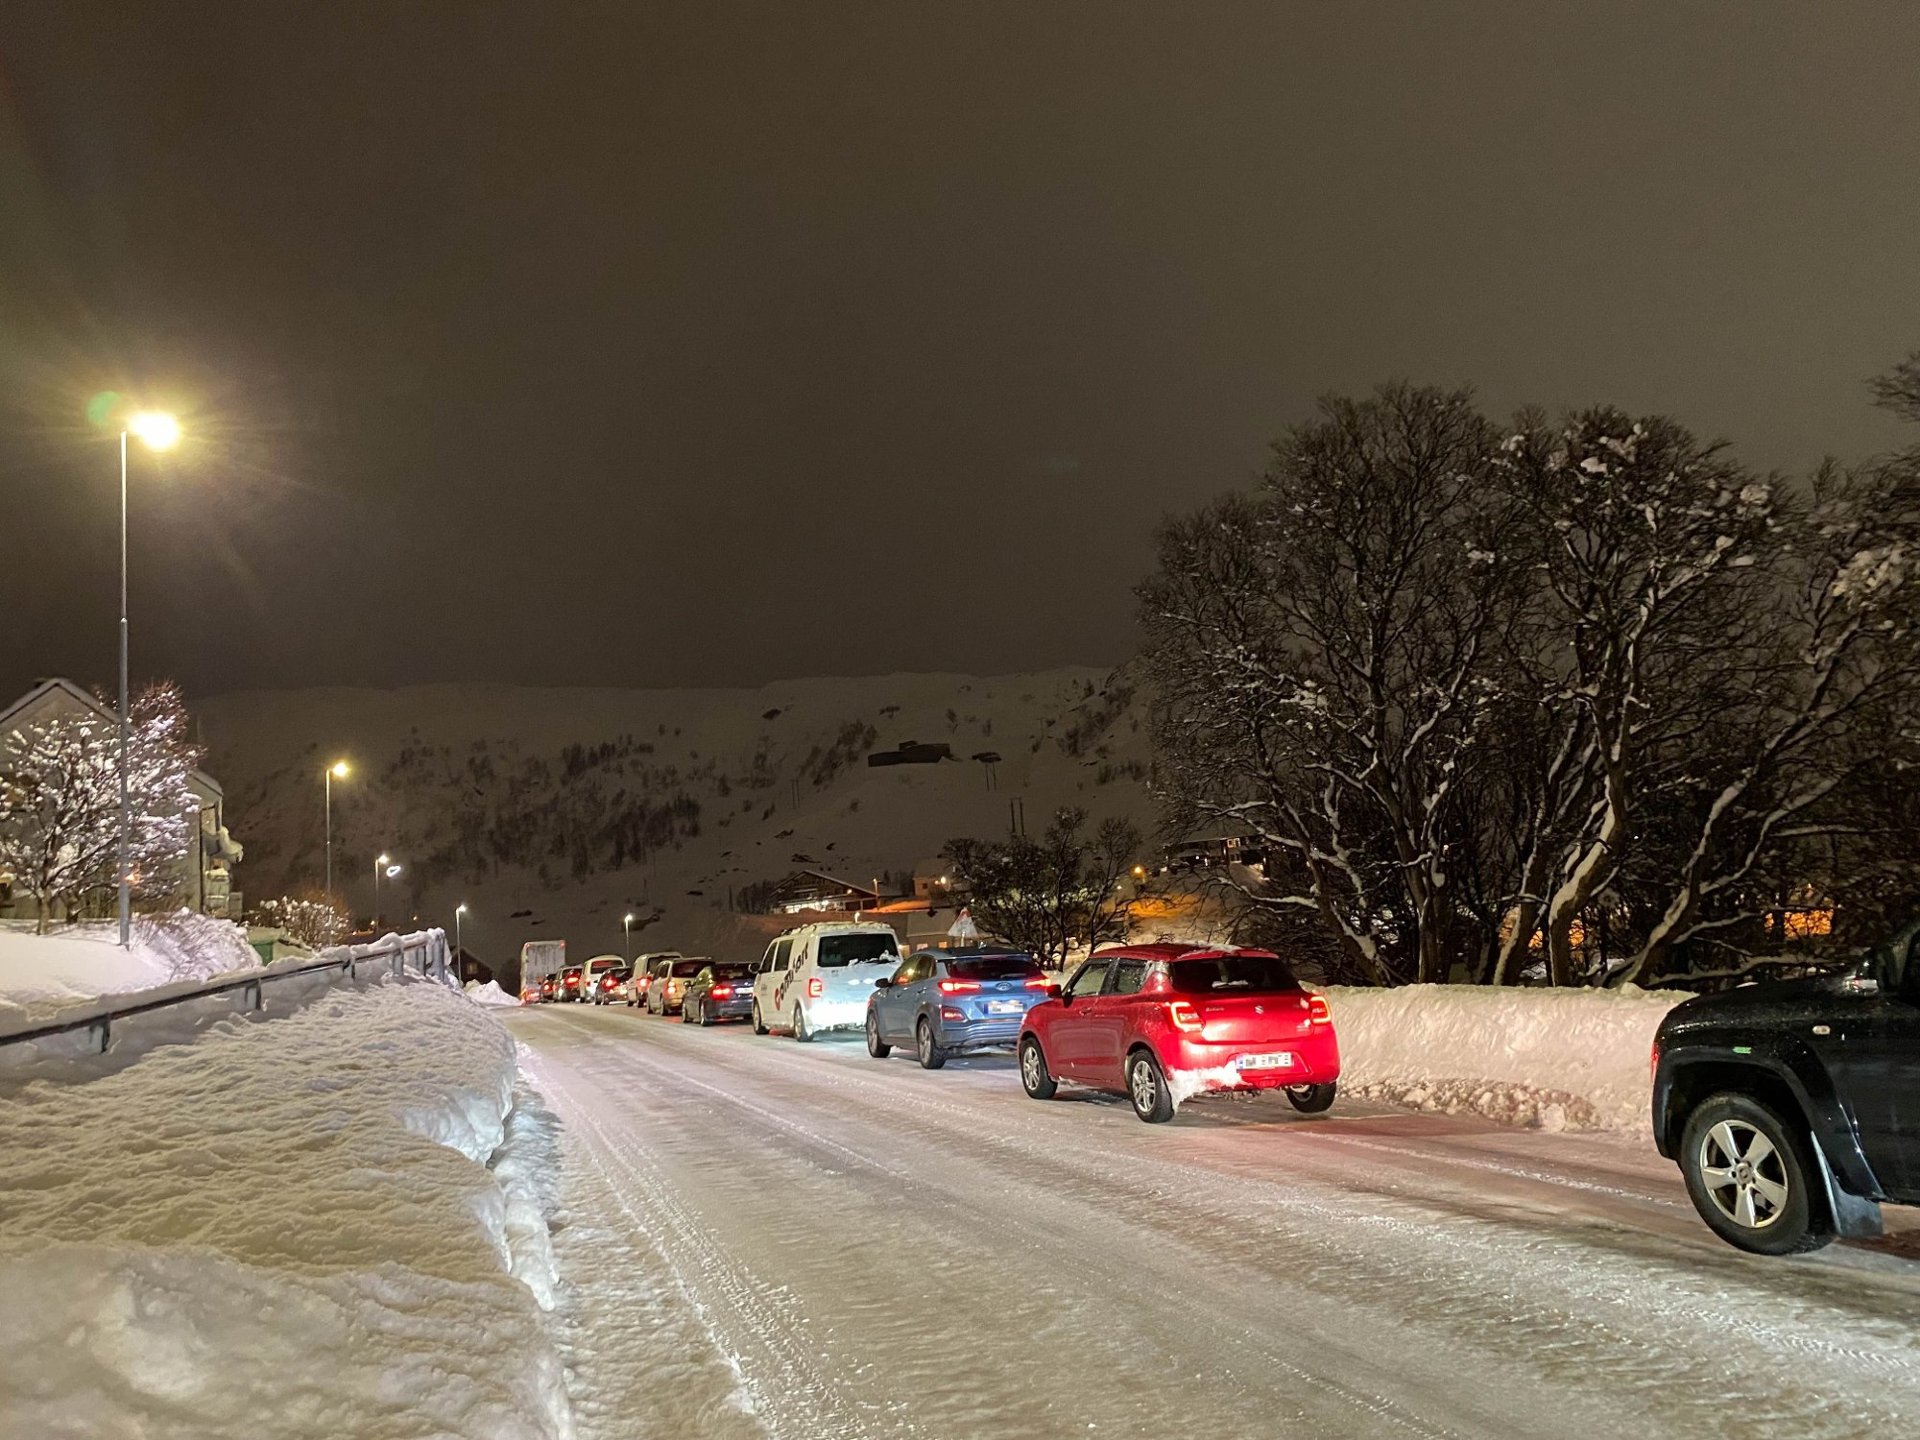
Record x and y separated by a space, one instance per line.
578 805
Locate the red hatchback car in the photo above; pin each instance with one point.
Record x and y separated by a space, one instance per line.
1163 1022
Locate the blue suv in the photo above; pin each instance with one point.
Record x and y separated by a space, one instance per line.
950 1002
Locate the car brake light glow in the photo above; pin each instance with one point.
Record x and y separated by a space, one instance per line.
816 987
1038 982
958 987
952 1012
1184 1016
720 992
1318 1011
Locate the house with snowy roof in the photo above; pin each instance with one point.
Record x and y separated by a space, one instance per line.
205 873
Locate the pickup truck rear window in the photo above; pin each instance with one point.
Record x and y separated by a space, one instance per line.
837 951
1231 975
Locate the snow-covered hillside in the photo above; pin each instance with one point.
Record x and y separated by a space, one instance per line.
556 811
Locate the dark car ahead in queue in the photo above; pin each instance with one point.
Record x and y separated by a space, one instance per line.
718 992
953 1002
568 986
1164 1022
1793 1108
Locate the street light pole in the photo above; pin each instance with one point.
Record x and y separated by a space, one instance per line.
459 910
379 864
626 945
159 432
126 802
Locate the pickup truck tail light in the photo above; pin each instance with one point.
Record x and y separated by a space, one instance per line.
959 987
1185 1017
1318 1011
816 987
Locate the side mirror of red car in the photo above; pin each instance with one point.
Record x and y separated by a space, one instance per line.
1054 992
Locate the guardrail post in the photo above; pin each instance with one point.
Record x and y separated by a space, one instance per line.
105 1026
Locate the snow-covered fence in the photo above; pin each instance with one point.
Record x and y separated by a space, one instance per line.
422 953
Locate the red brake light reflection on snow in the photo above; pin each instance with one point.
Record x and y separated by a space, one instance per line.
816 987
1184 1016
958 987
1318 1011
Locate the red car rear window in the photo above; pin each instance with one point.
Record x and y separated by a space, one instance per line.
1231 975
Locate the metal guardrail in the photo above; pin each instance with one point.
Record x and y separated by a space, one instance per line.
423 952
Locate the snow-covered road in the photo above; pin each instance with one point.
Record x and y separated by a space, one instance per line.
765 1238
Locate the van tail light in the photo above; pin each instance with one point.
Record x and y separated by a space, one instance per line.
1185 1017
959 987
1318 1011
721 992
816 987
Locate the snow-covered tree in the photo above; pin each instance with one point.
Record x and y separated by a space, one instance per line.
60 802
311 920
1048 895
1328 660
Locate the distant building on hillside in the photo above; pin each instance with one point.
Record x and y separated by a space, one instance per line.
806 892
205 873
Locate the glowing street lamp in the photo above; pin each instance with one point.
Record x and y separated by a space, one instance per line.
382 865
159 431
626 945
339 770
458 911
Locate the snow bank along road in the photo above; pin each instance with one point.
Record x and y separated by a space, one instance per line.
765 1238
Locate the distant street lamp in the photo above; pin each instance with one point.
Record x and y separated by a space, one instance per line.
626 945
336 771
382 865
160 432
458 911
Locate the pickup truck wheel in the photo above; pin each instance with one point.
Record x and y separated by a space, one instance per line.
1311 1099
932 1057
1147 1088
1035 1078
1749 1175
800 1031
759 1025
876 1047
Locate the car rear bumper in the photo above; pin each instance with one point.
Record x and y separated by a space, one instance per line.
1315 1060
729 1009
996 1034
827 1013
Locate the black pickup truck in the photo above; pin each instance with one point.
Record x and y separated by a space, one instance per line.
1793 1108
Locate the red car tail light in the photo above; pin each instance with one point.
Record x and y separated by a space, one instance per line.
958 987
816 987
1318 1011
1184 1016
720 992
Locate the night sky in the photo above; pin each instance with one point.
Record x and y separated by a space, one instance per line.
664 344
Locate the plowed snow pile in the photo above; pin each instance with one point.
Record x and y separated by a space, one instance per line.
1558 1059
280 1232
40 972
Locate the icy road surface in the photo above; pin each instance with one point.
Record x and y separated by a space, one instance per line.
772 1239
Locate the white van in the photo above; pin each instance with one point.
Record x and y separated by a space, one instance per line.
818 977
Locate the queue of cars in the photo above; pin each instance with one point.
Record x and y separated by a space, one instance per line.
1791 1108
1157 1023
